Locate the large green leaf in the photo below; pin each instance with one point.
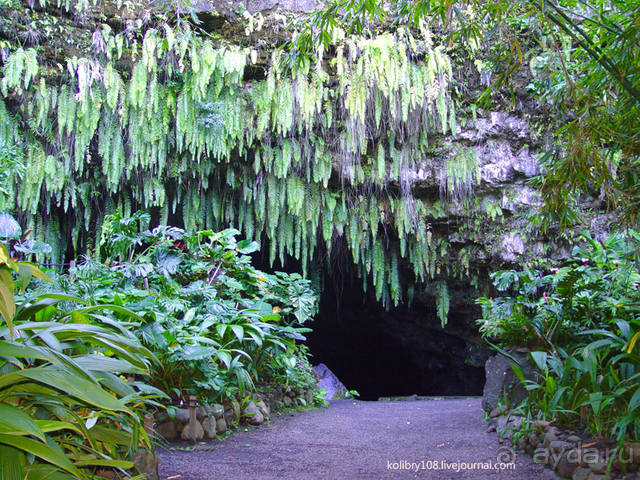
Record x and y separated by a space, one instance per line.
14 421
75 386
247 246
238 331
30 311
110 435
106 364
41 450
540 359
114 308
35 271
55 425
22 351
12 463
39 471
105 463
7 303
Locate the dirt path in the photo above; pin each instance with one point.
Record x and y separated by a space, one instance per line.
359 440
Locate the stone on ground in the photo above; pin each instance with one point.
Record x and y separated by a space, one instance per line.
328 380
254 416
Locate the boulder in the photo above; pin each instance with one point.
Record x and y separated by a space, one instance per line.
501 382
146 462
332 385
182 415
192 431
581 473
229 416
202 412
559 446
216 410
567 464
549 438
253 414
167 430
221 425
209 427
263 408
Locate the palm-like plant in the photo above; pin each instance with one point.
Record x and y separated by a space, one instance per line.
65 409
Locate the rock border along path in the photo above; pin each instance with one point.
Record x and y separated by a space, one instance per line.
360 440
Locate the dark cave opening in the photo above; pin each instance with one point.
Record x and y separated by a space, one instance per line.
400 352
397 352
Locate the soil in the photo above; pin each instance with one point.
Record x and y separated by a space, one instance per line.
427 439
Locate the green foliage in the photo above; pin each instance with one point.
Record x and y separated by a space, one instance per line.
66 410
11 172
462 174
596 286
442 302
582 322
215 323
293 370
584 67
195 142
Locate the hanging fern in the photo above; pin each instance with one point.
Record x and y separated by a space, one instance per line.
302 157
442 302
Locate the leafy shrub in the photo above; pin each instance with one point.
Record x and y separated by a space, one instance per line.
216 324
292 369
65 409
583 322
596 287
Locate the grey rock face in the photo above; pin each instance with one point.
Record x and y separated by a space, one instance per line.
215 410
510 248
501 381
182 415
328 380
209 427
221 425
266 411
167 430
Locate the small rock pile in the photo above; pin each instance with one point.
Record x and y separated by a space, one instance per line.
216 419
287 396
571 455
211 420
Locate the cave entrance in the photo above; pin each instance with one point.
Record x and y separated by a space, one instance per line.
400 352
397 352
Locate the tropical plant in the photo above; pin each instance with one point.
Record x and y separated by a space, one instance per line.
67 411
215 323
595 388
582 321
594 288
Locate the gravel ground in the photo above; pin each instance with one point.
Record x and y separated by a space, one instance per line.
427 439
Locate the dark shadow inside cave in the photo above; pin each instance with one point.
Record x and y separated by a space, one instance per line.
388 353
400 352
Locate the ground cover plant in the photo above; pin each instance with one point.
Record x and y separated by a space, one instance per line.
582 323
